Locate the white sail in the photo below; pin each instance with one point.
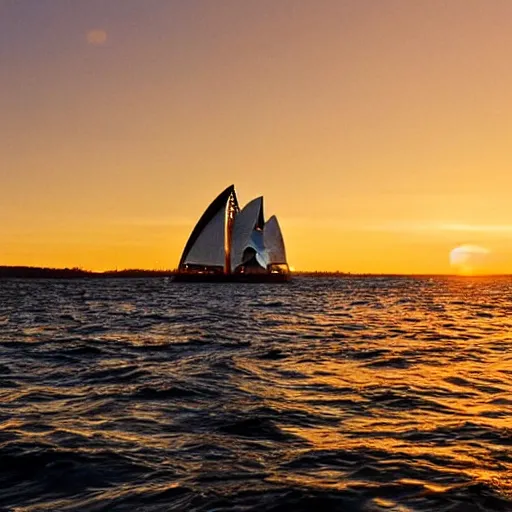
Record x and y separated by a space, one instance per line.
247 233
209 247
206 245
274 243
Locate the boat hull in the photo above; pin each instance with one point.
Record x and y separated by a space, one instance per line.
231 278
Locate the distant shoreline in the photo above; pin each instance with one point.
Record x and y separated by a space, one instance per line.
26 272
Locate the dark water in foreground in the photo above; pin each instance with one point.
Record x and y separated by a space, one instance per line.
370 394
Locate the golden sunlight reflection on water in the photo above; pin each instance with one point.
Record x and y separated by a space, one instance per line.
375 407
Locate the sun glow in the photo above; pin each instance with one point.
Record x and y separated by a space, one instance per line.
96 37
468 259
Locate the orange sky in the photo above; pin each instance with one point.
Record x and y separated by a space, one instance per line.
378 131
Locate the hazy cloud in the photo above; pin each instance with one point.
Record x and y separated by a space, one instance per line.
164 221
437 226
478 228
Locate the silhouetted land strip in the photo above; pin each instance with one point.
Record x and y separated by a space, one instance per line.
75 273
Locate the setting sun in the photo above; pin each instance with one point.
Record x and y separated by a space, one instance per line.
469 259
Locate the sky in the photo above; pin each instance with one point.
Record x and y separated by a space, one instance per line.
377 131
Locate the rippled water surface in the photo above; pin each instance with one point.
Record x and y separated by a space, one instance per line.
353 394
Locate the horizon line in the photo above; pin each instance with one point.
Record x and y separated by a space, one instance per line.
81 270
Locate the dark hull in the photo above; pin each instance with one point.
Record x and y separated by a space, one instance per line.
231 278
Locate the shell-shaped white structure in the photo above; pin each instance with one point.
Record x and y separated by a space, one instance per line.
248 234
229 240
274 242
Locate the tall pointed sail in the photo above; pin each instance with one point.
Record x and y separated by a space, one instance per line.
207 243
274 243
247 233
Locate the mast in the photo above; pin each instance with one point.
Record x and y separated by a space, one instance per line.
231 211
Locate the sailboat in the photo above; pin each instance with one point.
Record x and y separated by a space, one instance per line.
230 243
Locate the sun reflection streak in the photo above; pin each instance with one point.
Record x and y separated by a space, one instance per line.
424 395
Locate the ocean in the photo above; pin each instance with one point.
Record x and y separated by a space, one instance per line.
353 393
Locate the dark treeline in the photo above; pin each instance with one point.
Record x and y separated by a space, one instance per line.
320 273
73 273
